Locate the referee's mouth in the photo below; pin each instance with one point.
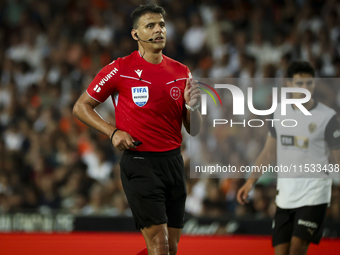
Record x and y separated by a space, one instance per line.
159 39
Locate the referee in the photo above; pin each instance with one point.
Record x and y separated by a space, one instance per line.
152 95
302 199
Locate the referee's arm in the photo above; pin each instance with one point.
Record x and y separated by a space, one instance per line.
192 120
85 112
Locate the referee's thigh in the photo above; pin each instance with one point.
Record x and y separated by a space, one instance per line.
144 190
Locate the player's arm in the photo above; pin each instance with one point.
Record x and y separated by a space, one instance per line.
332 137
267 156
192 120
336 155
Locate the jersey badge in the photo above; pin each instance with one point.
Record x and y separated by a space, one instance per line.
175 93
140 95
312 127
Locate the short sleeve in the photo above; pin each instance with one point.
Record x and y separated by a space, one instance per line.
105 83
189 73
332 133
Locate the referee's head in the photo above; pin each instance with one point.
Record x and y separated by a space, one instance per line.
301 74
148 26
145 9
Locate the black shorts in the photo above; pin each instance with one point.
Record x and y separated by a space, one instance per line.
304 222
154 185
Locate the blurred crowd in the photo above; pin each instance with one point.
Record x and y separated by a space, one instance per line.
51 50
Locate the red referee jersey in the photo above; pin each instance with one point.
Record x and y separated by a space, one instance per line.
148 99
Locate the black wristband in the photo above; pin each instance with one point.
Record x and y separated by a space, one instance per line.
113 133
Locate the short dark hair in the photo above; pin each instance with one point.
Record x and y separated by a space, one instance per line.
298 67
143 9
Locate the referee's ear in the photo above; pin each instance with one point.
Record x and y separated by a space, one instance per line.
134 34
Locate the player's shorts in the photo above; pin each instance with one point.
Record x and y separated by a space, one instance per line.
154 185
304 222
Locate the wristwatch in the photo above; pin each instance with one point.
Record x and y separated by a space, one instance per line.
194 108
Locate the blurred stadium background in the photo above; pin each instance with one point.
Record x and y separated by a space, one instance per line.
57 175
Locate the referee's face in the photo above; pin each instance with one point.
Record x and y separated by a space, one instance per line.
151 25
302 80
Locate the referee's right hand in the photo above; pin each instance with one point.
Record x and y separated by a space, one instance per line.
123 141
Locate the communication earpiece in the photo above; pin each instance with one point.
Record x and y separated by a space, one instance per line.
150 40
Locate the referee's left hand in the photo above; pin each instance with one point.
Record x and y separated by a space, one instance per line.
192 94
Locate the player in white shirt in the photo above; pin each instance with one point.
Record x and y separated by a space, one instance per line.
302 197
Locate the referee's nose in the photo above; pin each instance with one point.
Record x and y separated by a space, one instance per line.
159 29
